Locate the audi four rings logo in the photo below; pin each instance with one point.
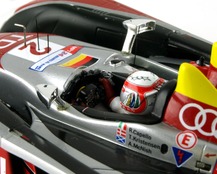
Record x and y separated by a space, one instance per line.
200 120
140 78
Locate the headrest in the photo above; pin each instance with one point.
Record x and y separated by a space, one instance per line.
213 58
194 84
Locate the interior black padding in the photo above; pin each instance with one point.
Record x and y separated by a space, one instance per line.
112 116
104 27
10 118
118 78
162 99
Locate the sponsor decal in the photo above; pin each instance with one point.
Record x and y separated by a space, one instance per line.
186 139
205 120
132 100
121 133
55 57
81 60
73 49
2 165
181 156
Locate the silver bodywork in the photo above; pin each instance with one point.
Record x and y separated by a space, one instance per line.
21 82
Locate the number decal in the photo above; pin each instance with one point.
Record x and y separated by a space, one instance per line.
34 50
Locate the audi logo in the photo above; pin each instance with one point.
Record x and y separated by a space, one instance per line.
200 120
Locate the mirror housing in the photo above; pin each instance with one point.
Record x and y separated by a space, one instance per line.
135 27
48 94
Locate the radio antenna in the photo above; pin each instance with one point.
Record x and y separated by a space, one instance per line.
24 31
36 22
48 40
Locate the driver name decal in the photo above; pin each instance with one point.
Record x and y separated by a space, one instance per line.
55 57
136 139
141 141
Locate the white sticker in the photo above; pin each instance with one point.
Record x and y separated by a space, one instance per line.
186 139
3 165
35 49
55 57
49 60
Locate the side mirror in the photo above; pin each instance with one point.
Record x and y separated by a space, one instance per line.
48 94
135 27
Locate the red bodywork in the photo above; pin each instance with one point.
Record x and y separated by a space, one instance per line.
202 129
10 165
186 113
5 162
110 4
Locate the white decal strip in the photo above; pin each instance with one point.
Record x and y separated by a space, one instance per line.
35 50
3 165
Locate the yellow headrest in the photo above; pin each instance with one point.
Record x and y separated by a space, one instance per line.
193 83
213 58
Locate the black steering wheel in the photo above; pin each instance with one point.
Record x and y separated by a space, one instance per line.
85 88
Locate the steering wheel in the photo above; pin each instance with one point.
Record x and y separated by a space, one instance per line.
85 89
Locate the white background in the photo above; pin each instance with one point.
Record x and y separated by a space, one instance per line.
195 16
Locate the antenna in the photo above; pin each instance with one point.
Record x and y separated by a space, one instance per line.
36 23
48 43
24 31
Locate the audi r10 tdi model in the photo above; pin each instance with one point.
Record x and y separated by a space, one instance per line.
73 100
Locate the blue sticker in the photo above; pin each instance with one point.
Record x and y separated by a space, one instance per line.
181 156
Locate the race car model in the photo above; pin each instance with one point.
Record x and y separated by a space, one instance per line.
55 117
